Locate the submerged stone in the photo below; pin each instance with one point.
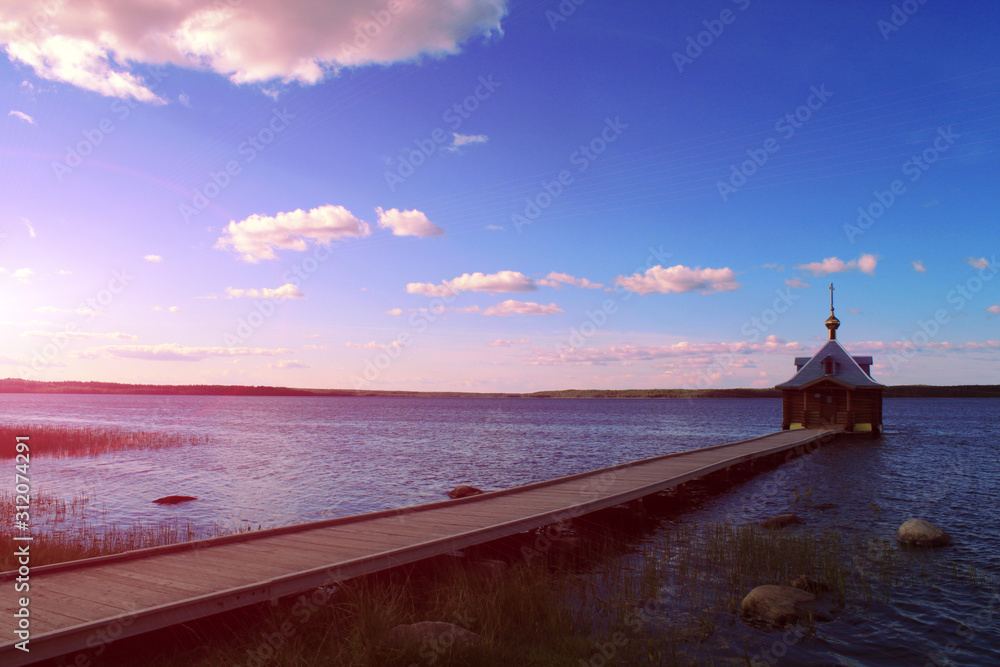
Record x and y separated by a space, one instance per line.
173 500
920 533
464 491
782 605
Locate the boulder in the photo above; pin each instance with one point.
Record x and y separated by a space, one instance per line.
781 521
173 500
464 491
920 533
782 605
808 584
438 636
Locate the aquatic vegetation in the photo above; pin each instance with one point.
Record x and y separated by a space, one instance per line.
51 440
614 600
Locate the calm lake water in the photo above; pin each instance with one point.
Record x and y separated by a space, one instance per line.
278 460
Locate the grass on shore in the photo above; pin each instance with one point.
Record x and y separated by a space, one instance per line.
51 440
65 530
610 600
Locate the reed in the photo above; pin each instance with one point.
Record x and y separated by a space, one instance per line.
65 530
51 440
672 601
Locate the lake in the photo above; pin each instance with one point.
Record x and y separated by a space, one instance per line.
281 460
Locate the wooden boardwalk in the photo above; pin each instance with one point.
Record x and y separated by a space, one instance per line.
75 605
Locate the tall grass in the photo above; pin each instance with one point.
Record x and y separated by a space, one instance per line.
65 530
673 600
50 440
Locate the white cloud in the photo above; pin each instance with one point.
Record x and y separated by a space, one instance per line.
512 307
994 309
502 281
100 45
23 116
257 236
407 223
85 335
918 266
864 263
372 345
557 280
981 263
184 99
460 140
394 311
496 228
502 342
944 346
155 259
79 310
286 291
31 229
313 348
796 282
287 363
679 279
176 352
697 354
23 276
174 309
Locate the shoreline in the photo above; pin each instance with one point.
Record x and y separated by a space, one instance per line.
18 386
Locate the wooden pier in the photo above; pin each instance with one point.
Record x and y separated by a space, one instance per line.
74 605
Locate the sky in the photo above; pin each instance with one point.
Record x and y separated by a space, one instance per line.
492 195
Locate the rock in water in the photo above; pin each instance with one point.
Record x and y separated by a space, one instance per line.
782 605
464 491
920 533
781 521
435 635
173 500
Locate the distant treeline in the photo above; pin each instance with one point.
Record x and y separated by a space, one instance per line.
17 386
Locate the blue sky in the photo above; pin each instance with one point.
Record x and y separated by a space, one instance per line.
485 195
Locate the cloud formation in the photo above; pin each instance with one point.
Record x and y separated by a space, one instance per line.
679 279
502 281
248 41
23 116
864 264
980 263
177 352
155 259
286 291
287 363
85 335
23 276
557 280
257 236
460 140
407 223
796 282
697 354
918 266
503 342
372 345
512 307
